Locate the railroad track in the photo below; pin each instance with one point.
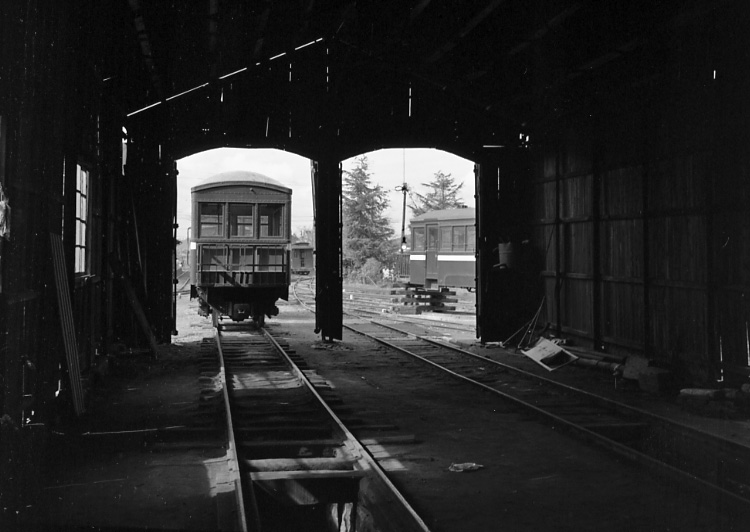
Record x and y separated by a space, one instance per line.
293 463
357 304
710 464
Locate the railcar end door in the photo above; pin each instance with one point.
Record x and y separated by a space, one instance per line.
431 259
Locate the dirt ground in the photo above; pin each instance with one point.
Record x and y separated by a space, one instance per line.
531 476
527 476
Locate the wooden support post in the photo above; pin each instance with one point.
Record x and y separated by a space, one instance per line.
326 175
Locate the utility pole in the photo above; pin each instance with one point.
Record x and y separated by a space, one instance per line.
404 188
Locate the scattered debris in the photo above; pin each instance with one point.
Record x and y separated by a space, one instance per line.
549 355
466 466
330 346
725 403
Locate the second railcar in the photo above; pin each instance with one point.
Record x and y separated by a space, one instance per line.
239 263
302 258
442 253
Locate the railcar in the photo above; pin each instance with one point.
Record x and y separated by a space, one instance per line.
302 258
442 253
239 250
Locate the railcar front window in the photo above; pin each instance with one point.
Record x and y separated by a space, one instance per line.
459 238
270 260
241 220
271 220
212 219
432 237
418 237
242 258
213 258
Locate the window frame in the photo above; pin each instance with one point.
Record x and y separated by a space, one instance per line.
82 216
232 222
221 224
418 237
281 219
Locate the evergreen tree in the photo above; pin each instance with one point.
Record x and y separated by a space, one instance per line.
304 234
443 195
367 231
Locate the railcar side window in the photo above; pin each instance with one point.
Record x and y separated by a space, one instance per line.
459 238
445 238
212 219
271 218
241 220
471 238
418 237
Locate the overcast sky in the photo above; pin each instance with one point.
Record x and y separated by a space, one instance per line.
386 168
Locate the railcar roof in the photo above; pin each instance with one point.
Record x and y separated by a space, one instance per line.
446 214
240 177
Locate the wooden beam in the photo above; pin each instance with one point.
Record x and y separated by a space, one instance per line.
475 21
135 304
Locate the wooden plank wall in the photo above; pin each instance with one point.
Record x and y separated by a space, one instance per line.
642 216
150 190
51 114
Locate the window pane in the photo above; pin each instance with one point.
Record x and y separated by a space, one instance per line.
459 238
471 237
241 220
432 237
81 206
211 219
418 236
445 239
270 260
270 220
80 260
242 258
213 258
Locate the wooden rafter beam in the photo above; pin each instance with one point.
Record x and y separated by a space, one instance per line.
261 30
146 51
418 9
475 21
213 26
540 32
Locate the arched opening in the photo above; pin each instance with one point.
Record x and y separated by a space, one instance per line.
233 236
400 184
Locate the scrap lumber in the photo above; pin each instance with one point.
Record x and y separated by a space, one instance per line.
66 322
135 304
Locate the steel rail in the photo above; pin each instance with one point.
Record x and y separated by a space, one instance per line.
402 319
232 454
603 401
587 434
369 460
